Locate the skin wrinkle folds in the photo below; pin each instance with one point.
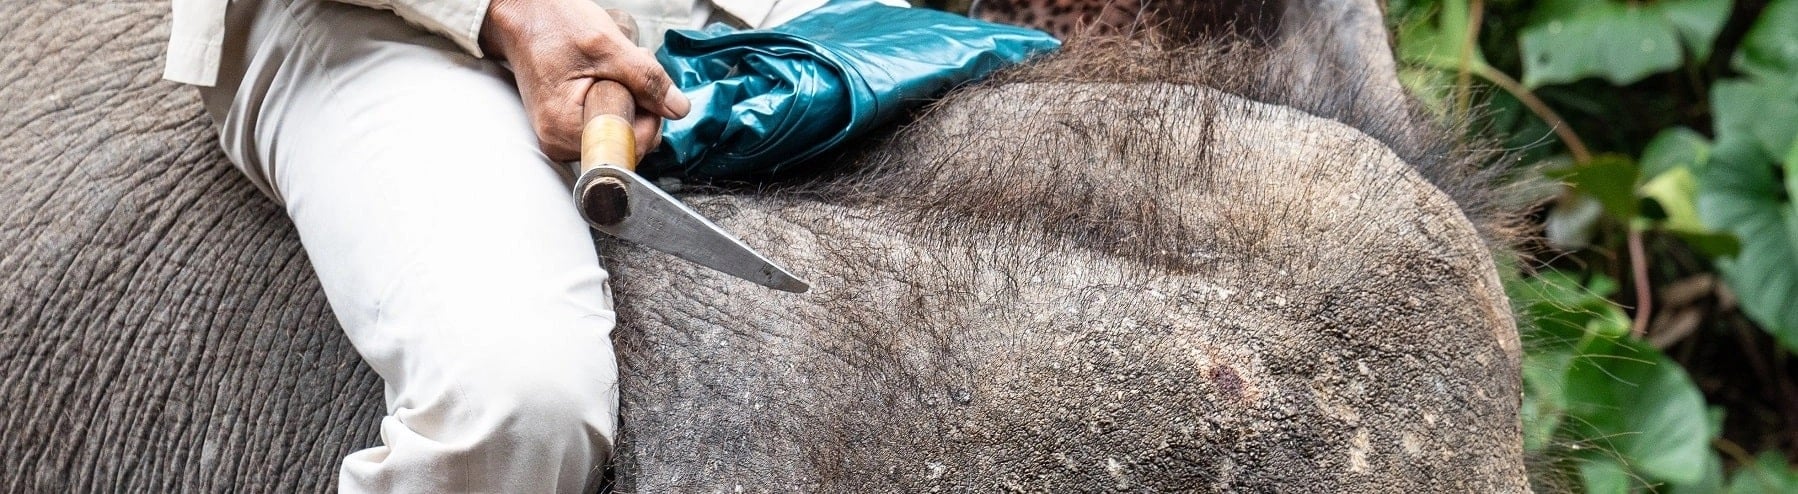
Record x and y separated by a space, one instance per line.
1118 284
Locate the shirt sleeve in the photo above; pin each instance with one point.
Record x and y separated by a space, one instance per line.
458 20
195 38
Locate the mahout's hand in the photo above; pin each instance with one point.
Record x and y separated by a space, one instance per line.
557 48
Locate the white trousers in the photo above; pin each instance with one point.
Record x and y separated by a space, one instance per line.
445 241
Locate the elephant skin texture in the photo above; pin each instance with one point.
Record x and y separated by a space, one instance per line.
1248 265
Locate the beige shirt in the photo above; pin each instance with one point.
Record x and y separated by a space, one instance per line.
198 29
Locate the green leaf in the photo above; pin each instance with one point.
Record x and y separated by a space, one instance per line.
1757 120
1675 147
1603 476
1637 410
1577 39
1622 45
1713 419
1433 87
1739 193
1712 482
1561 315
1565 309
1439 44
1698 22
1669 163
1771 48
1568 40
1609 178
1768 473
1791 187
1676 191
1714 244
1763 110
1609 324
1633 401
1545 398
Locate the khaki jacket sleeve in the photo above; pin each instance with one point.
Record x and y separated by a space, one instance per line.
195 38
458 20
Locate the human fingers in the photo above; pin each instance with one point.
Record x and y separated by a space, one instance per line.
648 83
648 128
647 139
613 56
558 48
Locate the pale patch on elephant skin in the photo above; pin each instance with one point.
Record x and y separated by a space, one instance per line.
1359 447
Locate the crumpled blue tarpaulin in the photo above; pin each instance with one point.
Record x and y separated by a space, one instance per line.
764 100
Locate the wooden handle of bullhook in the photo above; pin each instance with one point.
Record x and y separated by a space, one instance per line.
607 138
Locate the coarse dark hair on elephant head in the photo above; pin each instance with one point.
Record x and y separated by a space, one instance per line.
1243 263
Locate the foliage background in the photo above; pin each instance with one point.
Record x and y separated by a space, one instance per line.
1661 302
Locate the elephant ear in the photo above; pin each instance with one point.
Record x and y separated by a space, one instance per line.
1342 36
1335 53
1345 41
1329 58
1179 21
1334 59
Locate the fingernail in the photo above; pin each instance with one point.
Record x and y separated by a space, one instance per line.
676 103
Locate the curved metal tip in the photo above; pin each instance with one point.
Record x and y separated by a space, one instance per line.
789 283
659 221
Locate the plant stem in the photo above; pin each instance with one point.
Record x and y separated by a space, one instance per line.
1734 451
1638 264
1574 145
1464 74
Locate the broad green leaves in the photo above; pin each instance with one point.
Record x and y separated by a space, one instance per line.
1561 314
1768 473
1764 109
1564 315
1661 192
1611 179
1752 174
1739 191
1671 164
1604 476
1638 403
1587 381
1771 48
1620 43
1623 416
1568 40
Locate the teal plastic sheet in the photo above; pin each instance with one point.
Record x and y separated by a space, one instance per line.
765 100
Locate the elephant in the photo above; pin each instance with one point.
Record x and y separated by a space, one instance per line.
1249 263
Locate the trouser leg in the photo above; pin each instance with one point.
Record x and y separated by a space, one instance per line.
443 238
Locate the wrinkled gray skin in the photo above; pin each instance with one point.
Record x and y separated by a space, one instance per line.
1043 284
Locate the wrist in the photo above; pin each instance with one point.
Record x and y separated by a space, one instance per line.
499 28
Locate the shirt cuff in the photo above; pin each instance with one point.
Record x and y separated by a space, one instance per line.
458 20
193 61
